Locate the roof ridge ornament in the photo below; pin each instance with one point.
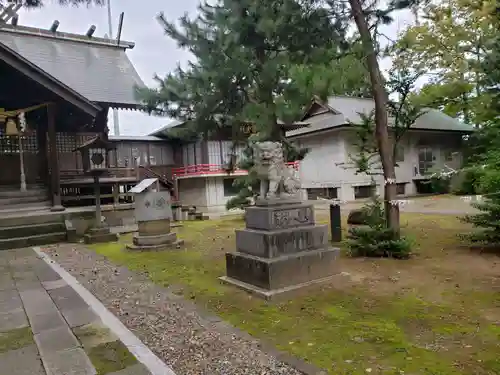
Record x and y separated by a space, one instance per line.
9 12
71 37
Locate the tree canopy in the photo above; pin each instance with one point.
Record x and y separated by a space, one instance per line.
254 64
449 45
40 3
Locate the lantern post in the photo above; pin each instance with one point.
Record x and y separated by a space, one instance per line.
95 156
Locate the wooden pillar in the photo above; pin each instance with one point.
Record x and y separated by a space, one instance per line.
41 140
55 183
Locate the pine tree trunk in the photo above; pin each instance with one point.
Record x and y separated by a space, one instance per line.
381 125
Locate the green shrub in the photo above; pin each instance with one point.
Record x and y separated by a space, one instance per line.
375 239
487 221
466 181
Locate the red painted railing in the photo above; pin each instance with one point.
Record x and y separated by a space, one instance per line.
208 169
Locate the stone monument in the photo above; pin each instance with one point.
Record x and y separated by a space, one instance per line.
281 249
153 213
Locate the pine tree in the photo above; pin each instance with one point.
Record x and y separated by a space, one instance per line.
253 62
488 146
244 53
40 3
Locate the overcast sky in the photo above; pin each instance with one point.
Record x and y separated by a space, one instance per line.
153 52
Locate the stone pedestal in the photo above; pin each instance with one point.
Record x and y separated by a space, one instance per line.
280 251
154 235
99 235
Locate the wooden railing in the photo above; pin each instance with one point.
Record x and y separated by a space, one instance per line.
148 172
77 188
210 169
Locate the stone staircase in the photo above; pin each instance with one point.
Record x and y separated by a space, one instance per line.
13 200
25 219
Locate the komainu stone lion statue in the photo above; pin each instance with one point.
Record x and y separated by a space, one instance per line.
276 178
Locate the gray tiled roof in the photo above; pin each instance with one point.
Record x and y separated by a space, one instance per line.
143 138
162 131
345 110
96 68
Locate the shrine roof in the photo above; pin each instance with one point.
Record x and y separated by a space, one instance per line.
96 68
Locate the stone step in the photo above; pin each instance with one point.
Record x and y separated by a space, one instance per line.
36 240
29 218
23 200
20 208
13 193
30 230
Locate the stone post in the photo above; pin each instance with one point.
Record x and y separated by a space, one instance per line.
335 223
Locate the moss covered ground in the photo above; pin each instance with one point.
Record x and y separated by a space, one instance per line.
437 313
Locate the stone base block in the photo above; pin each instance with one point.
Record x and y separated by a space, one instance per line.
279 216
99 235
275 294
270 244
287 271
153 227
277 201
161 239
173 245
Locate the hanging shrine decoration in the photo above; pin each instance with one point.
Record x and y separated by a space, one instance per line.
15 121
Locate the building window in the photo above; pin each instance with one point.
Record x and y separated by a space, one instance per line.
365 191
426 160
325 193
399 154
448 155
401 188
229 189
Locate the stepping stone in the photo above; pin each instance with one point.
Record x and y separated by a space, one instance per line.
46 321
24 361
68 362
79 316
94 334
7 283
37 301
55 340
138 369
12 320
49 285
23 286
46 273
66 298
10 301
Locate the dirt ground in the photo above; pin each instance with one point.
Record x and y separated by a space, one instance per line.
439 204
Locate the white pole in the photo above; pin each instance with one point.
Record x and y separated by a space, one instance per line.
116 124
21 162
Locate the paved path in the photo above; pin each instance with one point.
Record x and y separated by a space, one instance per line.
47 328
186 337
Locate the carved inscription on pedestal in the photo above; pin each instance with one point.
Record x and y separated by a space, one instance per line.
292 217
282 217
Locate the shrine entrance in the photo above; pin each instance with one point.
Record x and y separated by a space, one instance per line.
35 112
12 149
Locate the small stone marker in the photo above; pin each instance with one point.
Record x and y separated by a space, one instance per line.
335 222
153 213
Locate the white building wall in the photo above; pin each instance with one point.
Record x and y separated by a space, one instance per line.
219 152
192 191
216 200
328 149
191 154
214 154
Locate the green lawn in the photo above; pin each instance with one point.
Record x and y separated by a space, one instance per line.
438 313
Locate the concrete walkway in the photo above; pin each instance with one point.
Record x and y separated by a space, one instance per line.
46 328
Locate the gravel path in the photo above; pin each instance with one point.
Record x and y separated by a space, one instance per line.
189 340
